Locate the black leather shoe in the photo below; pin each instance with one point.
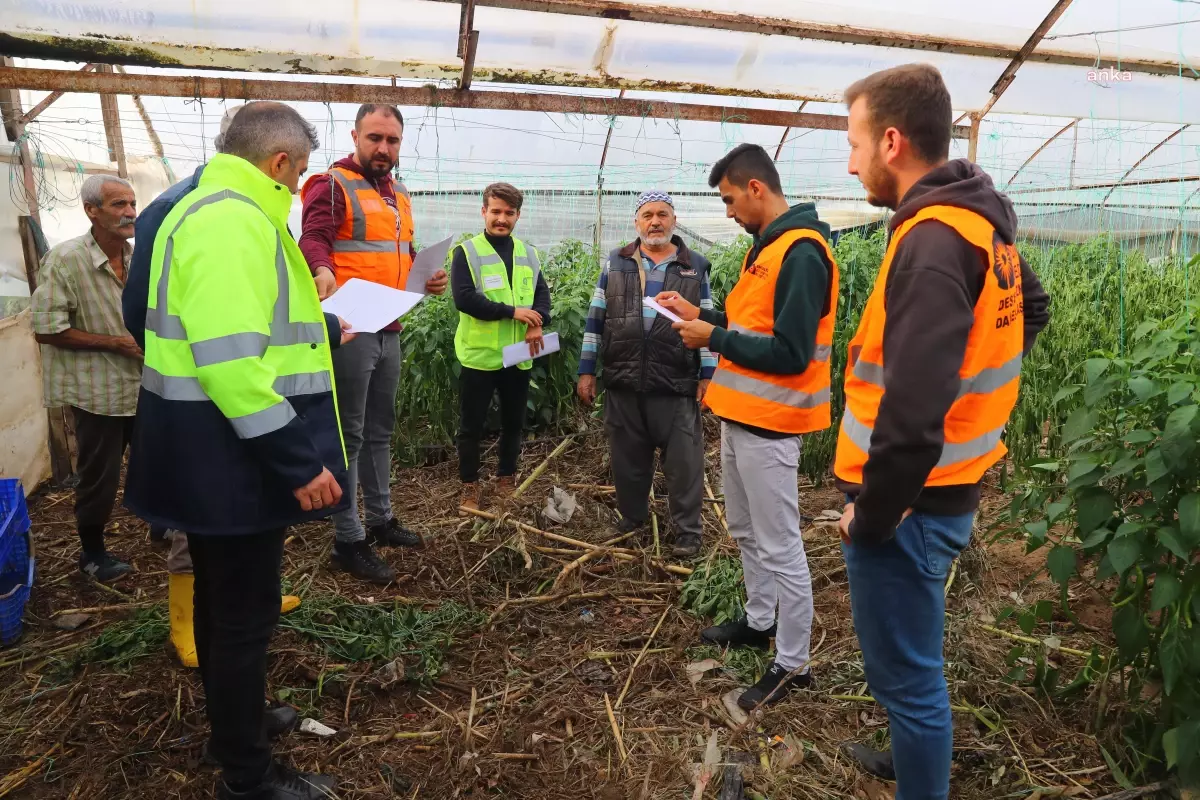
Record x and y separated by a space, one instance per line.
738 633
283 783
687 545
103 568
360 560
280 720
393 534
772 687
628 525
872 761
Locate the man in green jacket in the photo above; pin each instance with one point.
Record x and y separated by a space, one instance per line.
237 433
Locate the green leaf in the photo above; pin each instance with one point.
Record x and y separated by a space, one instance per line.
1189 518
1079 424
1117 774
1037 532
1046 466
1171 747
1123 553
1043 610
1096 538
1168 537
1172 653
1125 465
1130 630
1139 437
1181 744
1149 326
1095 392
1143 388
1093 508
1064 393
1057 509
1156 466
1061 563
1027 622
1126 528
1179 421
1095 367
1084 471
1179 392
1167 588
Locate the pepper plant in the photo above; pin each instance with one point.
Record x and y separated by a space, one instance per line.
1125 496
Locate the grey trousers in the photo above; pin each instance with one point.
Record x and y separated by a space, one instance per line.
763 512
367 372
637 425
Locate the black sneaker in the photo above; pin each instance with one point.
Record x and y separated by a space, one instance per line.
687 545
103 568
872 761
393 534
158 534
360 560
276 722
284 783
738 633
772 687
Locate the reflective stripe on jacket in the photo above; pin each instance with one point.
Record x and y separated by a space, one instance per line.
478 343
796 403
374 242
990 373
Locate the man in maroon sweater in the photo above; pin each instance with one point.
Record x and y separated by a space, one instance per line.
352 214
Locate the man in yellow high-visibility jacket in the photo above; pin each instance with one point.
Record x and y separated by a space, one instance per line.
237 431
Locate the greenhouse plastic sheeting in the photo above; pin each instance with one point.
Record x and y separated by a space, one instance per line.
418 38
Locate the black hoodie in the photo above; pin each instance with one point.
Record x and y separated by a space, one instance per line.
932 287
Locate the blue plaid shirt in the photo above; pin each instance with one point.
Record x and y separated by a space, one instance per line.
655 275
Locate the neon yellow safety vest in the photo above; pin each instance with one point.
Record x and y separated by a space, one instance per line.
478 343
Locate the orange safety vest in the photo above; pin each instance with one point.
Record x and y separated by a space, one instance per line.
374 242
990 373
796 403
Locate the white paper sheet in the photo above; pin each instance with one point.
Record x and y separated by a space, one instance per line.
369 307
516 353
650 302
426 264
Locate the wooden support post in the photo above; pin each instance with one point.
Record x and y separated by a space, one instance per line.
973 141
10 110
468 40
112 128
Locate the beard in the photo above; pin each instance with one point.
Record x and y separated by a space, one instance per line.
656 239
376 169
881 186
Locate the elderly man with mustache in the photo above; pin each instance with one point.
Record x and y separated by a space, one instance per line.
653 383
89 361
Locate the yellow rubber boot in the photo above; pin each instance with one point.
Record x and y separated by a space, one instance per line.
289 602
180 594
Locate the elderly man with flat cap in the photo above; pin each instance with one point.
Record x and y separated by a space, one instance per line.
653 383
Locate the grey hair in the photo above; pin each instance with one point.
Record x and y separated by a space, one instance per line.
92 191
226 120
264 128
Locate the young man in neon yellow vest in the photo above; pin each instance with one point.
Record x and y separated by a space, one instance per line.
502 299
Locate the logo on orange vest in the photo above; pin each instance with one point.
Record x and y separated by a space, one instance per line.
759 270
1006 264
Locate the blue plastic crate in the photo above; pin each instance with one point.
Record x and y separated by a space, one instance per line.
16 563
16 580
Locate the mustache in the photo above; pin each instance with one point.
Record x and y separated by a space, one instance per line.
126 221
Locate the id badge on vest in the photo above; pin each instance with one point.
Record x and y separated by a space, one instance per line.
493 282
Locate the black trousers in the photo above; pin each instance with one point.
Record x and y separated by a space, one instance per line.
101 441
476 388
236 609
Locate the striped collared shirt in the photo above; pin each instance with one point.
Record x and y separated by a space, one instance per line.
78 289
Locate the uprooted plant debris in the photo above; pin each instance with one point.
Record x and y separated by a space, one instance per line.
520 658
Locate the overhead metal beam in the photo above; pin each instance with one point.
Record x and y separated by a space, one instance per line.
1038 152
1141 160
847 34
786 131
1010 72
1110 184
48 80
48 100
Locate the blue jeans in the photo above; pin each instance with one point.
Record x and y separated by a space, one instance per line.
898 602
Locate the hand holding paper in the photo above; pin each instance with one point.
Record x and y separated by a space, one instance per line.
650 302
427 263
514 354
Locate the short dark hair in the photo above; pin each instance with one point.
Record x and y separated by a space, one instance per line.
263 128
371 108
506 192
746 162
914 100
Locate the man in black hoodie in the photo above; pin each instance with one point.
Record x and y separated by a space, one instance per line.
931 380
